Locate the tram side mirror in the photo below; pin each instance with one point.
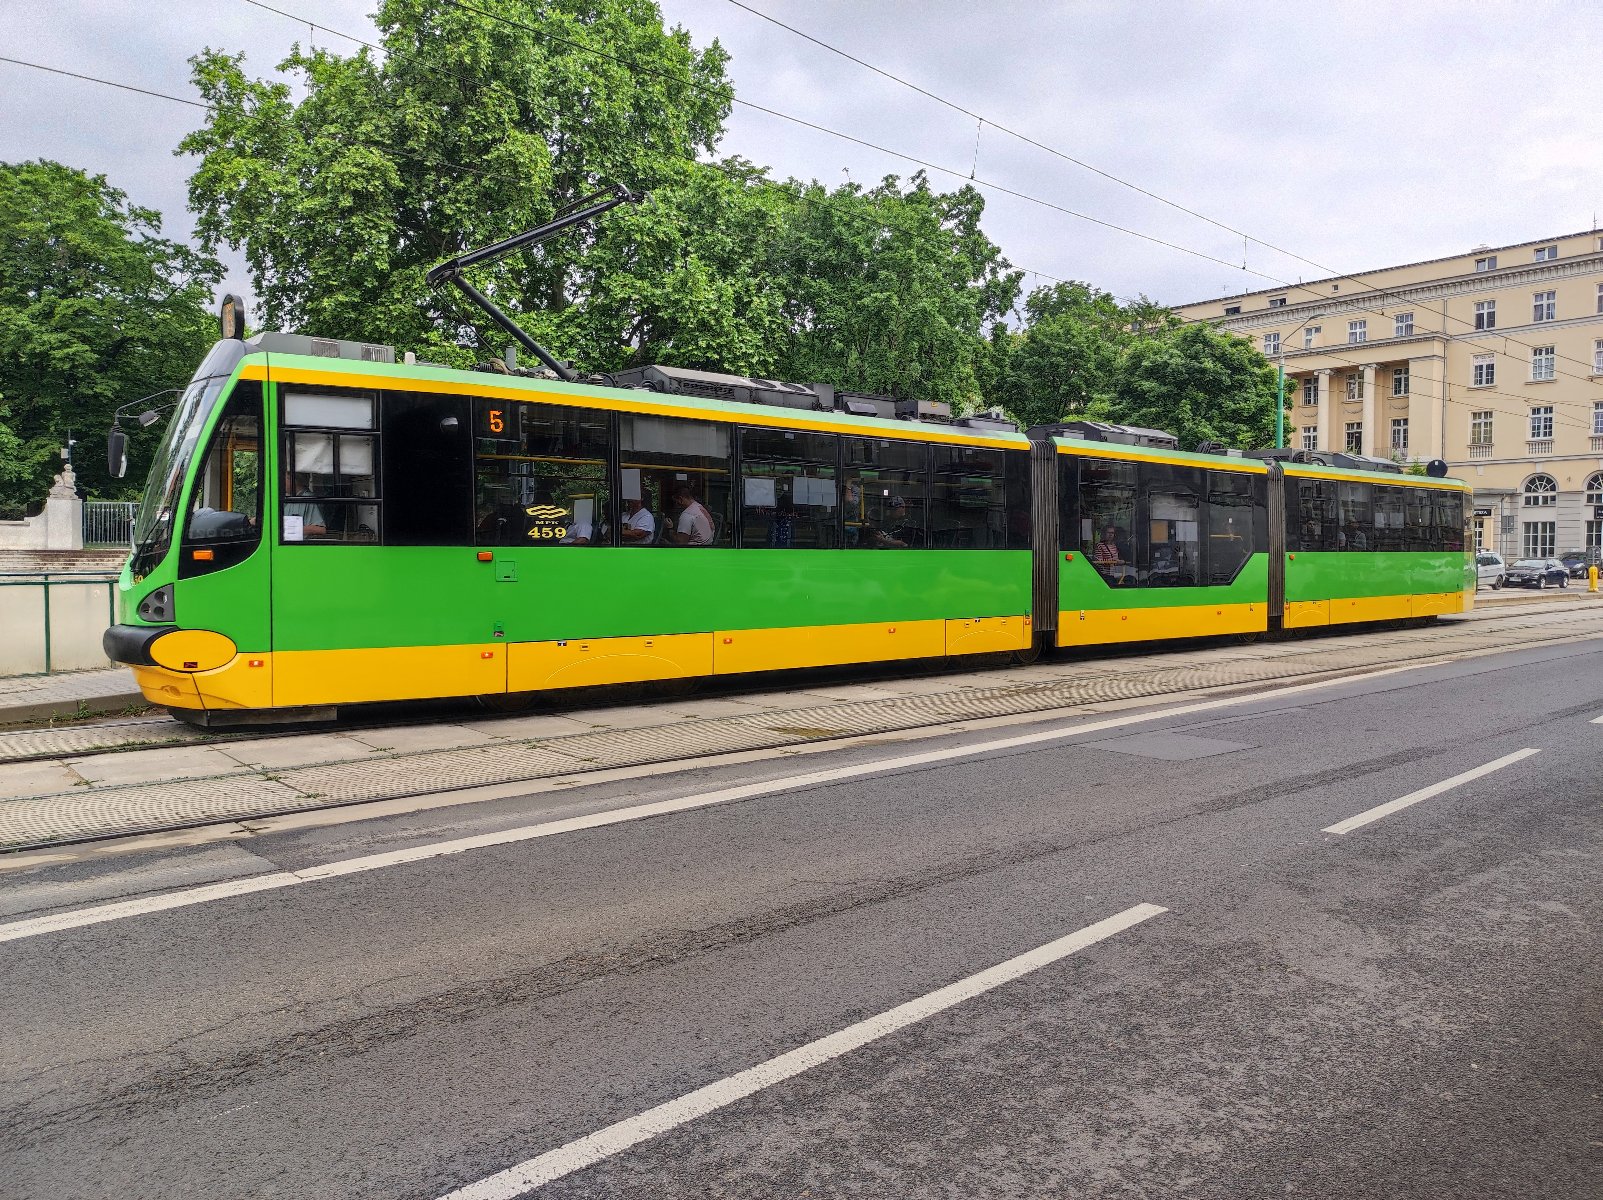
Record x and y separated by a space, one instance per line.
117 453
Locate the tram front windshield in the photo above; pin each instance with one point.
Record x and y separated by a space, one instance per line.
153 529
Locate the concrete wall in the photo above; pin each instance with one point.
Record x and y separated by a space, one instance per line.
58 527
54 607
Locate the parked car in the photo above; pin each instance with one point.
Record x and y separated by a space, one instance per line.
1489 568
1537 573
1576 562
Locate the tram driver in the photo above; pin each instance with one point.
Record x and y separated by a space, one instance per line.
313 523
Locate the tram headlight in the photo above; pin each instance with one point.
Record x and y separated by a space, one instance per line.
157 608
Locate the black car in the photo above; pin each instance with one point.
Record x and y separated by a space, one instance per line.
1576 562
1537 573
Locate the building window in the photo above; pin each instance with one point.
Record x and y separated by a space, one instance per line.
1486 314
1310 390
1544 306
1357 331
1597 431
1539 539
1310 437
1489 263
1271 344
1232 310
1545 254
1277 302
1399 435
1355 436
1542 364
1541 491
1597 357
1355 386
1480 429
1485 368
1399 381
1594 489
1541 423
1310 332
1404 325
1600 297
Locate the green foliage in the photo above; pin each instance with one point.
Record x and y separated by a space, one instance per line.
1062 366
1200 384
470 129
95 310
473 128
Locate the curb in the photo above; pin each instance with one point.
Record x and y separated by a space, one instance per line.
76 706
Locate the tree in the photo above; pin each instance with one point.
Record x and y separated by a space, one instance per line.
96 310
889 290
1198 383
480 121
1061 366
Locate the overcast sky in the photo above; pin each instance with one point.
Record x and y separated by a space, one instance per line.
1355 135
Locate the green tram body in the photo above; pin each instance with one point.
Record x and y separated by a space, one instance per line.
434 558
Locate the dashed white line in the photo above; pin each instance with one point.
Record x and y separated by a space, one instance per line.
1597 720
654 1122
1425 793
118 910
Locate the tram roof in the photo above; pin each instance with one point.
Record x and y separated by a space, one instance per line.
420 377
1222 462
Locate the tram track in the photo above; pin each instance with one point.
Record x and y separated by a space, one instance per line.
129 734
239 799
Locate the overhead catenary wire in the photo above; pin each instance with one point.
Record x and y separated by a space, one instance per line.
1246 237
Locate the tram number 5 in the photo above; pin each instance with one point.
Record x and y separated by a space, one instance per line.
496 423
545 533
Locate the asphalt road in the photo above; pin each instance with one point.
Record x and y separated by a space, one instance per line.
1411 1008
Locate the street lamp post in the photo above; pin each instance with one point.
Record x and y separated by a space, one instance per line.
1280 383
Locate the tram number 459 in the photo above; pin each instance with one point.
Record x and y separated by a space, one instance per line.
548 532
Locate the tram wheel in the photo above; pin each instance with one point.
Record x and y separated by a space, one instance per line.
1031 653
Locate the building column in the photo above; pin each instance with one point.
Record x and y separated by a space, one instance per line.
1327 409
1376 441
1427 403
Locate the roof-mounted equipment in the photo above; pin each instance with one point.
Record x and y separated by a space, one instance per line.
1102 431
450 271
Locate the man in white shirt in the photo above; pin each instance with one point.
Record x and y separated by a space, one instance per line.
639 526
694 527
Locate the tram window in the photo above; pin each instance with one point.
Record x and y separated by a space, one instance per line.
1448 526
330 482
968 502
1168 547
788 489
1316 515
1231 535
884 493
225 511
1418 520
681 470
1391 532
428 469
1357 530
1107 517
1068 501
540 474
1017 498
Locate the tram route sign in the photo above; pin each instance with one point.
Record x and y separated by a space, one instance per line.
1483 512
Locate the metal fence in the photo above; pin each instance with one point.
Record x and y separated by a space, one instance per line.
53 620
108 522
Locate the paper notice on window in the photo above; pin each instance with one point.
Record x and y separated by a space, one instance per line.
294 528
759 492
631 483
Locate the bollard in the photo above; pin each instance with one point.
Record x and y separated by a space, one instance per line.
1591 578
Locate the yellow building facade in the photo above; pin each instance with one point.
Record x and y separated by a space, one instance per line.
1491 360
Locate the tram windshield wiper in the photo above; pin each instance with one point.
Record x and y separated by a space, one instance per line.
584 209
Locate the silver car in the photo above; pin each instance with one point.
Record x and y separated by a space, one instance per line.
1489 568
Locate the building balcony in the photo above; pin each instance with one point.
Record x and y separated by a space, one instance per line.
1480 450
1597 444
1538 446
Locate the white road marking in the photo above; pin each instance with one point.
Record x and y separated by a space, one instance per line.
614 1139
1425 793
99 913
1597 720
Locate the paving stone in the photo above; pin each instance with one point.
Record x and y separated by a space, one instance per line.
154 766
36 779
297 750
426 737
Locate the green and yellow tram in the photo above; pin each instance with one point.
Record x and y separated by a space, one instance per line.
324 526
